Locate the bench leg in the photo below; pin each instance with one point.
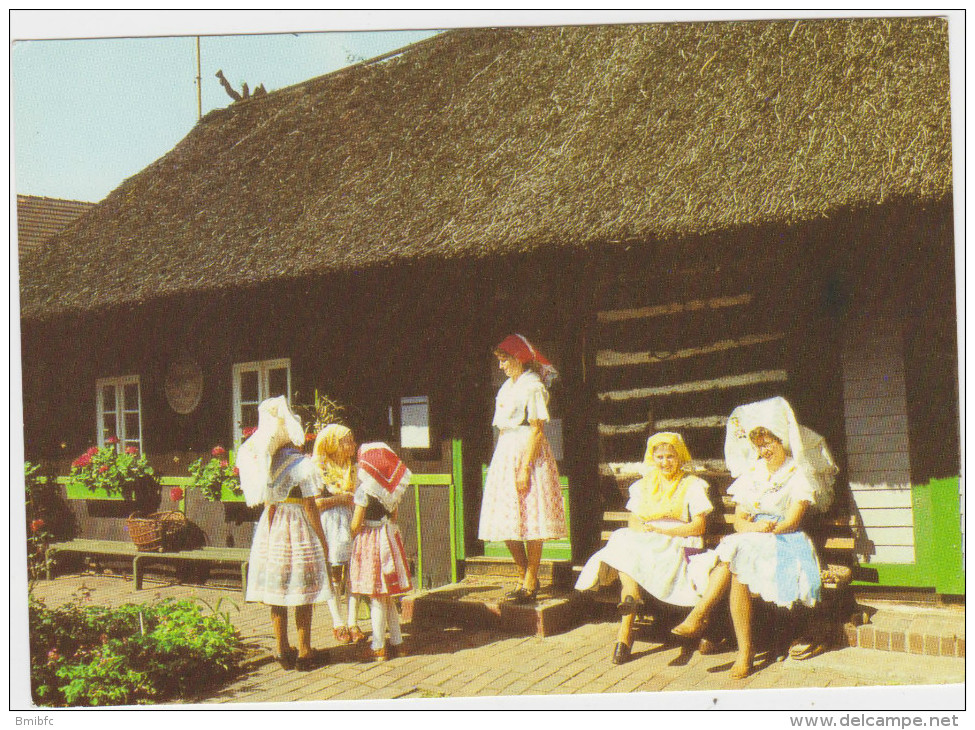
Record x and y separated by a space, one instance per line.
136 573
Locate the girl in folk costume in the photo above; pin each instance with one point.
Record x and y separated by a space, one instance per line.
288 560
378 566
781 470
522 502
661 548
334 449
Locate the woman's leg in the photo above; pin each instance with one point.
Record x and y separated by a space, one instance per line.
517 550
718 583
303 623
741 617
279 625
533 556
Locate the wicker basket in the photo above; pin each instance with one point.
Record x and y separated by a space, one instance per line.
159 532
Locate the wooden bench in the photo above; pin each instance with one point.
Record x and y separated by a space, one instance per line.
118 548
832 534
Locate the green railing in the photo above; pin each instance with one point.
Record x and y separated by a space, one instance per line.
938 561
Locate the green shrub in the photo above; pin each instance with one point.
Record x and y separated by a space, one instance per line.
133 654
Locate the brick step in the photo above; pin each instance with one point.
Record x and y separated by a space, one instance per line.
478 602
555 573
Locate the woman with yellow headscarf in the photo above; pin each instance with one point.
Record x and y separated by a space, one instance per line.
333 452
660 549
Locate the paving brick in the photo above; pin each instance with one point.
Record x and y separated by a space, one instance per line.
960 647
915 643
866 637
932 645
882 640
898 641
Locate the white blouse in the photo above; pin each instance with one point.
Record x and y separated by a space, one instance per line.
521 399
758 492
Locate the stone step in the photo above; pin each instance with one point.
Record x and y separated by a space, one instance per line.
555 573
478 602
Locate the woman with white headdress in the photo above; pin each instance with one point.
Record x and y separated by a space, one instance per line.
288 560
781 470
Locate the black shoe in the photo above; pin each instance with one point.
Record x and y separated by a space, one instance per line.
287 660
628 606
312 661
621 654
519 596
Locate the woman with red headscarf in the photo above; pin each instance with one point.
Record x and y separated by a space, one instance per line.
522 502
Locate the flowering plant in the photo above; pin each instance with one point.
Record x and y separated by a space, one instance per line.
39 535
110 468
213 474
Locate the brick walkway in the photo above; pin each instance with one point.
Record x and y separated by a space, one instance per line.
466 663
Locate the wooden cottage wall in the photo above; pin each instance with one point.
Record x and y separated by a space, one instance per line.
900 372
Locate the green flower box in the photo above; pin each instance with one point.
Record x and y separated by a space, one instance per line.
80 491
228 495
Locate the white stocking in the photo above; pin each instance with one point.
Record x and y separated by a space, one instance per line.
377 607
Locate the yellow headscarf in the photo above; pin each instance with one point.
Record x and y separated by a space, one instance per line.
339 478
657 496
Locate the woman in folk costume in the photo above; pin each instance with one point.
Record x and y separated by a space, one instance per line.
522 501
781 470
288 560
660 549
334 451
378 566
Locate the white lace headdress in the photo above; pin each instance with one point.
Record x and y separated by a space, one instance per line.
276 427
806 446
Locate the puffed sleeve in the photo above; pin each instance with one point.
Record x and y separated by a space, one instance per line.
536 408
360 498
634 500
801 489
696 499
309 478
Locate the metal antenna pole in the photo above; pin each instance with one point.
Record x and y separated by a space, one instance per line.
199 83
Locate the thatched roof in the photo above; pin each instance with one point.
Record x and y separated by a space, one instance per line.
487 142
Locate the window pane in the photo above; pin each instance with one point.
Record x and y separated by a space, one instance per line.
277 381
130 397
132 427
248 417
108 426
108 398
248 386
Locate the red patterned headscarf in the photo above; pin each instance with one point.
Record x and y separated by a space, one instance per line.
524 352
383 474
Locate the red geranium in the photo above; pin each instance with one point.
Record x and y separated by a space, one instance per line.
236 471
82 461
103 468
249 431
218 451
224 464
36 525
92 451
309 437
111 440
176 494
132 450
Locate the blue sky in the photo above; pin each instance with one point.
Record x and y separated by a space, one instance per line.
89 113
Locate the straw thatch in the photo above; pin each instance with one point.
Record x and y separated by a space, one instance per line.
489 142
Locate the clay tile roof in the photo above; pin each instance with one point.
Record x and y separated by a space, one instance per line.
488 142
39 218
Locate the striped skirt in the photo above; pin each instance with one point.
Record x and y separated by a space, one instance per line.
287 562
378 565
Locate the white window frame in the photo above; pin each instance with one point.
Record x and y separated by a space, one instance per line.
262 368
121 408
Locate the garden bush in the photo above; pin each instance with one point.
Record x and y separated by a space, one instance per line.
83 655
